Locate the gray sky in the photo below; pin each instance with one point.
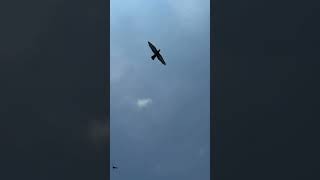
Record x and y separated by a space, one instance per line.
160 115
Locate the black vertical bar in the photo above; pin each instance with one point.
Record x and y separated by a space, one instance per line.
213 93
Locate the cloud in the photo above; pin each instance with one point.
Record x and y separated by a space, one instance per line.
142 103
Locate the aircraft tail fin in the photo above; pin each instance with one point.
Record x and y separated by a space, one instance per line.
154 56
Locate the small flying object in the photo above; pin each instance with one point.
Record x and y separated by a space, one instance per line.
114 167
156 53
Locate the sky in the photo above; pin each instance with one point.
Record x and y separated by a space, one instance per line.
160 115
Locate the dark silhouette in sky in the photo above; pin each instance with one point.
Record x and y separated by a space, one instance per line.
114 167
156 53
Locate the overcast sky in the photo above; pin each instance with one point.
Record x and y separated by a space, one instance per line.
160 115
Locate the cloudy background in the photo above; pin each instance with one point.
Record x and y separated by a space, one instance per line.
160 115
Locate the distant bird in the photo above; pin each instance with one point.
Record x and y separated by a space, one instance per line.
114 167
156 53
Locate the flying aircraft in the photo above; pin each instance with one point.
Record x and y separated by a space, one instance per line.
156 53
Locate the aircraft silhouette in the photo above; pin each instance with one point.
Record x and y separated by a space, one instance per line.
156 53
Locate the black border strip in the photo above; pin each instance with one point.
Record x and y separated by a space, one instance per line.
212 93
216 82
107 84
213 90
106 27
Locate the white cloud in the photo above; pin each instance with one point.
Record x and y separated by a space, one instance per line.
141 103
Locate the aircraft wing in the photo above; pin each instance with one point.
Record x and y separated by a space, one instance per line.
153 48
161 59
